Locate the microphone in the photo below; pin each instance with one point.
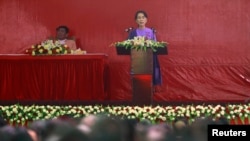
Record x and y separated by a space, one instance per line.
129 29
154 30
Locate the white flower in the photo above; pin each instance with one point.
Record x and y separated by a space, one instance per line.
139 42
15 113
15 110
218 115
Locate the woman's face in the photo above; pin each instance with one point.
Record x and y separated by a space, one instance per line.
141 20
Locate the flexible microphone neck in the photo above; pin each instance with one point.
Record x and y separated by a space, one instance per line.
129 29
153 29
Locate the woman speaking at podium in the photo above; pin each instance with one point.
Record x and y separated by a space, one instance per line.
141 18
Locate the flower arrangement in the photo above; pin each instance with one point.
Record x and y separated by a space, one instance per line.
141 43
236 114
49 47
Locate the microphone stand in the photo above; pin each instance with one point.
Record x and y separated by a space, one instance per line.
154 32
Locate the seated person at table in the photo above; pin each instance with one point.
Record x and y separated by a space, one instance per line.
62 36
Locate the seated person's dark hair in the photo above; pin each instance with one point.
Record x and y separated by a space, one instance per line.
64 27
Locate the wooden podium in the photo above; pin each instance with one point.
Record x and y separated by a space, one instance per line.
141 72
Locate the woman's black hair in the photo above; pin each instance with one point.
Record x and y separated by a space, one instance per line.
141 11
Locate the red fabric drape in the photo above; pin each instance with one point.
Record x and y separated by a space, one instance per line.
45 78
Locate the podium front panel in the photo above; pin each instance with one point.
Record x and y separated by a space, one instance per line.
141 61
142 89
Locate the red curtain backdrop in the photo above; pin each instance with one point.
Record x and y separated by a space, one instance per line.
209 41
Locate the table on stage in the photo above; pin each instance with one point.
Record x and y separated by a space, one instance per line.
52 78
